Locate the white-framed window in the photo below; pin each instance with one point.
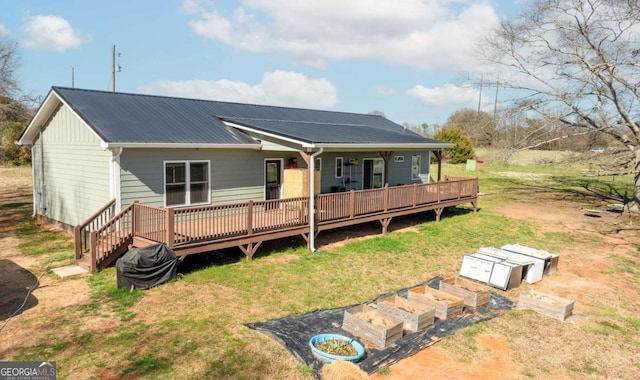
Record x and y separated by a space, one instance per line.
339 167
318 164
398 158
415 167
186 183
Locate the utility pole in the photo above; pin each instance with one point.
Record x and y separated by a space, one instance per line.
114 68
480 97
73 78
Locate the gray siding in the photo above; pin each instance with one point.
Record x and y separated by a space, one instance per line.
73 169
399 172
236 175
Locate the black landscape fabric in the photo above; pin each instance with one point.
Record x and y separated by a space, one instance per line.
294 332
144 268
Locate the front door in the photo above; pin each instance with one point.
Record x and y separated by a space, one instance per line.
372 173
273 179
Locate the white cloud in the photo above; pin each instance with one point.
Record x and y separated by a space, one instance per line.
3 31
283 88
448 95
386 91
49 32
195 6
428 34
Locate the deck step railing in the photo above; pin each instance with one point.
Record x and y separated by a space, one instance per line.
94 222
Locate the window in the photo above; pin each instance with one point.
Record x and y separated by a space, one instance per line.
415 167
318 164
186 183
339 167
398 158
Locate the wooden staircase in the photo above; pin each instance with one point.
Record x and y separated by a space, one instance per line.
103 237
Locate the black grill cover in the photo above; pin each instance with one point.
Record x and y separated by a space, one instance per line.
143 268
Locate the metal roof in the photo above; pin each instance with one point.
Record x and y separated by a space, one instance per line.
122 119
143 119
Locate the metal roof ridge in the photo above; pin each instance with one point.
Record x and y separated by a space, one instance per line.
213 101
289 121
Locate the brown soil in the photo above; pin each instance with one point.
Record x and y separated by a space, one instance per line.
21 273
580 277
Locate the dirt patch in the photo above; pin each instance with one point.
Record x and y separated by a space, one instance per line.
493 362
581 277
27 288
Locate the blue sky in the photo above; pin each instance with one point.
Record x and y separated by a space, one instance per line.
406 58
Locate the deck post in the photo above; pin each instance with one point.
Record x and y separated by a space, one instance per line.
250 218
385 224
93 247
438 213
415 194
352 203
134 219
386 197
250 249
77 242
169 223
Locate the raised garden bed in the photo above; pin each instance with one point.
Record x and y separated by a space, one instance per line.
472 294
371 325
546 304
415 315
445 304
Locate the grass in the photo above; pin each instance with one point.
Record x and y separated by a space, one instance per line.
194 328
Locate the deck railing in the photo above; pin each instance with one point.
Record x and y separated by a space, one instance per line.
355 203
181 227
94 222
111 236
196 224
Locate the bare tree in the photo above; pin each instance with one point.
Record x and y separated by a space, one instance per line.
9 62
479 126
576 62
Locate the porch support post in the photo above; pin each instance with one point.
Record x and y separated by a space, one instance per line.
306 157
385 224
250 249
305 236
438 213
438 155
386 156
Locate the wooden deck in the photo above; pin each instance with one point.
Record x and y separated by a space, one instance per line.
246 225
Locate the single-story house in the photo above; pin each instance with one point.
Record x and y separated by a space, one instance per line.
91 148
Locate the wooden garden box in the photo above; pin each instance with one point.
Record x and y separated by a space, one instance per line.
416 316
377 328
472 294
446 305
547 304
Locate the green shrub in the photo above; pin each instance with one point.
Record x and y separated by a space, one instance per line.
463 150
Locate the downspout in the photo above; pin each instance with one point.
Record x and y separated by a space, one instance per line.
312 199
115 177
42 203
